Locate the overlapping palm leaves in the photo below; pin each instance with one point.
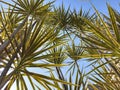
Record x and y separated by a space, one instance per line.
73 52
73 74
78 80
25 43
30 32
62 16
103 37
105 78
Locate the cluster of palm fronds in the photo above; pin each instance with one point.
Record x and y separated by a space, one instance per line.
38 41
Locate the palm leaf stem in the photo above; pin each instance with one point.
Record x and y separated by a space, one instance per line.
61 77
6 43
7 67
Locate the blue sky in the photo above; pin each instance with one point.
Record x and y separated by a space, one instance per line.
85 4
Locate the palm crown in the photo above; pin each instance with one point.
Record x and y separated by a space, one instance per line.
35 36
